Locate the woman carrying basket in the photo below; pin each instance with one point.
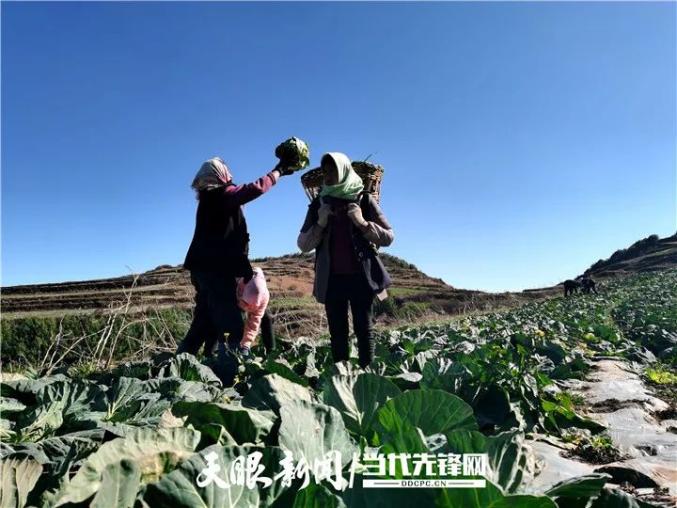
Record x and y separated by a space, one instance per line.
345 225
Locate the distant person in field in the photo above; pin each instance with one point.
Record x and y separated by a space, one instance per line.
219 254
344 225
588 285
571 287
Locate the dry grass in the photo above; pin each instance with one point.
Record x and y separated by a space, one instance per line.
99 354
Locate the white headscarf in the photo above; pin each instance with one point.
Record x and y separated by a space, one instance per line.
212 174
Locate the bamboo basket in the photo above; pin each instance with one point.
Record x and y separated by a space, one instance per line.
371 174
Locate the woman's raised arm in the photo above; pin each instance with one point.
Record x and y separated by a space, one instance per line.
238 195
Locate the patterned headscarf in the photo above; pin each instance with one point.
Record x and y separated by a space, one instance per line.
212 174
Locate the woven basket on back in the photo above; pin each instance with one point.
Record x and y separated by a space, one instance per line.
371 175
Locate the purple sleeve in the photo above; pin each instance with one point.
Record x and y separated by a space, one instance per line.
238 195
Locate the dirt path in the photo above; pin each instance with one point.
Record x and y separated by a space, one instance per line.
617 397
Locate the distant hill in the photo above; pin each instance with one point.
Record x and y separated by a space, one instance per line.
649 254
290 279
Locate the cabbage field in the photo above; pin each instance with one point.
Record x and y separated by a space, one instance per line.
143 433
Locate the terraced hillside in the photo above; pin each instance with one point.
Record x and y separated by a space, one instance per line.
48 323
152 311
289 278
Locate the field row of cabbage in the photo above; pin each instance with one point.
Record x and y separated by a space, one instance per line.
144 433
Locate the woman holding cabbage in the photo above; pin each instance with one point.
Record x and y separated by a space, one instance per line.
344 224
218 254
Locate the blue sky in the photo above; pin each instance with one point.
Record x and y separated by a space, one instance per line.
521 142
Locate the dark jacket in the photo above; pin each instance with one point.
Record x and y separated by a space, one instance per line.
221 241
379 234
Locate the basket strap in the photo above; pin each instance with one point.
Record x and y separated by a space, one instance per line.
364 199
